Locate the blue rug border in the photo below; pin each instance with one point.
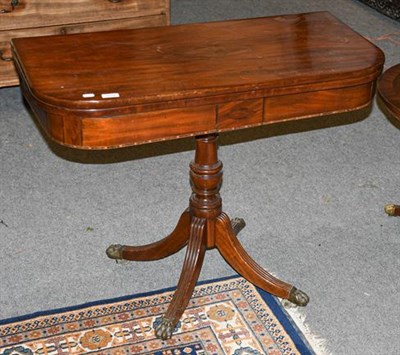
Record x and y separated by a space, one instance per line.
288 324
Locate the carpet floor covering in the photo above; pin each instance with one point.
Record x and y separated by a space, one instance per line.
228 316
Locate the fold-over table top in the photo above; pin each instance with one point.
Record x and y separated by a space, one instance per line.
194 79
191 61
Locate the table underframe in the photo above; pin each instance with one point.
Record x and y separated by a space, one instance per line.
201 227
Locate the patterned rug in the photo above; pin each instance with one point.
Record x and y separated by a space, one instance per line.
228 316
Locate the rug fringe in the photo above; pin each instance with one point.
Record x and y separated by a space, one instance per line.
317 343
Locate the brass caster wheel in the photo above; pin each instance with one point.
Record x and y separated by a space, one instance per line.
298 297
114 251
392 210
238 224
165 329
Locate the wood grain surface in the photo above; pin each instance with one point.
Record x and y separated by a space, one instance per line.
38 13
389 90
31 18
8 75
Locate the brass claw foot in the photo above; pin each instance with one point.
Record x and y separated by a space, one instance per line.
389 209
238 224
298 297
392 210
114 251
165 329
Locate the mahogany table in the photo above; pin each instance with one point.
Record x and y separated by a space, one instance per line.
389 91
115 89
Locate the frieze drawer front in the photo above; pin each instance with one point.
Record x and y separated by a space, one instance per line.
240 113
142 127
28 18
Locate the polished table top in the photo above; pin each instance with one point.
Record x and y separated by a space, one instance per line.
112 89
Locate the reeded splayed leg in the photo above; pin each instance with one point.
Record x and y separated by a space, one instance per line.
158 250
204 206
190 273
206 179
233 252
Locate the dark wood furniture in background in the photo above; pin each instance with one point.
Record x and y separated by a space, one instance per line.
114 89
389 91
389 8
31 18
